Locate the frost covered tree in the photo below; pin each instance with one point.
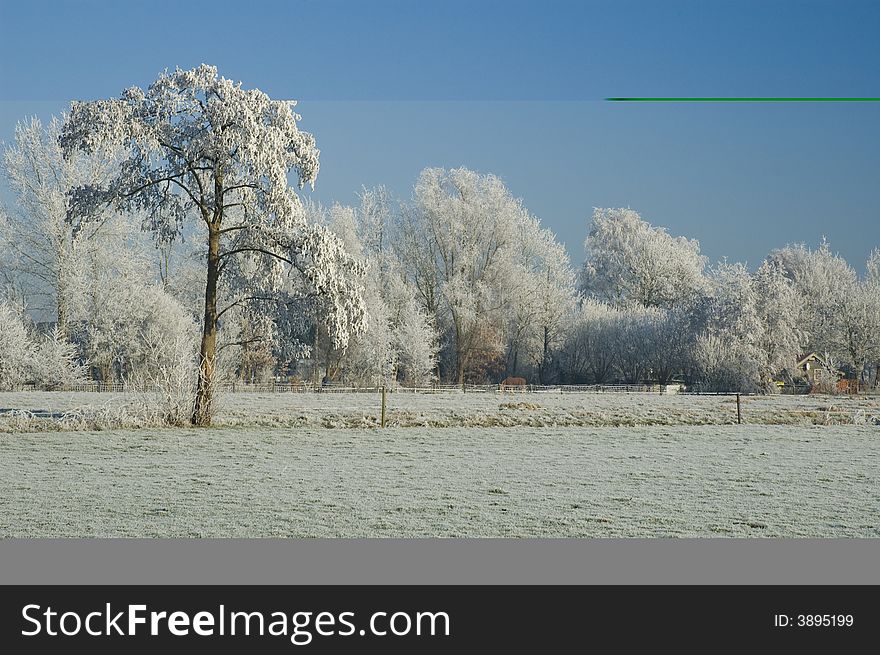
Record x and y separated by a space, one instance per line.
872 267
668 342
415 340
858 327
723 364
56 362
413 332
164 361
634 348
821 279
199 148
49 361
634 343
38 243
464 245
398 342
116 298
781 338
555 300
728 350
592 343
872 278
540 302
375 222
413 328
631 261
16 349
370 357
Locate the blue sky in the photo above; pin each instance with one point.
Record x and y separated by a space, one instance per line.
516 88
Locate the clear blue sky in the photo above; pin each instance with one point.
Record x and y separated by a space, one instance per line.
516 88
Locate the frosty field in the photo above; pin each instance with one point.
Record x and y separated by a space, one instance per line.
254 476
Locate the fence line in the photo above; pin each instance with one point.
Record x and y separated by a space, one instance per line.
291 387
303 387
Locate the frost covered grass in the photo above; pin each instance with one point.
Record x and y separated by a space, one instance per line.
682 481
52 411
58 411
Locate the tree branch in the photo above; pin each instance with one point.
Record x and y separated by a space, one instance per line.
235 251
172 178
241 343
241 301
234 227
242 186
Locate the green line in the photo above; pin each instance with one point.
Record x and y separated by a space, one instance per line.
743 99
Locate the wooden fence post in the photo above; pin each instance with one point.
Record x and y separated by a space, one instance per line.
383 407
739 416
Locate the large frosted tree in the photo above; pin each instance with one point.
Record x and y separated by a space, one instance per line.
202 149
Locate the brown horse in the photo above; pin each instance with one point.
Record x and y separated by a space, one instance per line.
518 383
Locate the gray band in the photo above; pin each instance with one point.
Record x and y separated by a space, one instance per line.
440 561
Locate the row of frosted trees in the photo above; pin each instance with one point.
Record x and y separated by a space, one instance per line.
657 312
501 298
156 239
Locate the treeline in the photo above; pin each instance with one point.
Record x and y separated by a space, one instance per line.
459 284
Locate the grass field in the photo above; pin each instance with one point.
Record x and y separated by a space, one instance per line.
522 481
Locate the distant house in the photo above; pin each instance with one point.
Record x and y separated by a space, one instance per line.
815 369
811 367
811 373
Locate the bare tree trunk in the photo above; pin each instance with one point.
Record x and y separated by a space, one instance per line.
61 305
545 356
459 356
208 351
